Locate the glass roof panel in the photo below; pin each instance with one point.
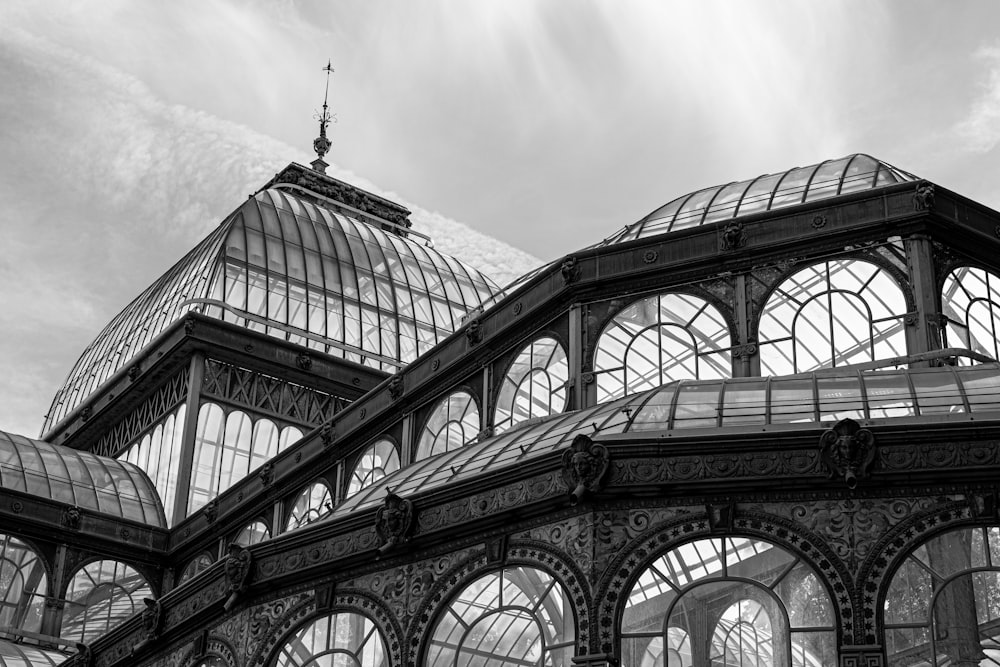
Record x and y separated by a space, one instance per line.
78 478
768 192
298 272
21 655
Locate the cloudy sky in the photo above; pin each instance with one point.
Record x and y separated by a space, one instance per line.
130 128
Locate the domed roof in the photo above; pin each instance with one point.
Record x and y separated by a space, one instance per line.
765 193
291 269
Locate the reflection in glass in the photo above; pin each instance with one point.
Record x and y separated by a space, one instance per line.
453 423
835 313
518 616
253 533
100 596
728 601
534 386
23 585
943 603
379 460
659 339
971 302
314 503
343 639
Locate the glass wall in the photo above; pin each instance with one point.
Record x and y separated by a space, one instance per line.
100 596
971 302
728 601
453 423
379 460
518 616
158 453
23 586
535 384
942 606
198 564
341 639
659 339
228 447
835 313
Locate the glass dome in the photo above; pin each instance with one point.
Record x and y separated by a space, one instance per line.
765 193
288 268
78 478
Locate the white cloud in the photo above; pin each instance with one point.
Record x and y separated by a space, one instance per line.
980 130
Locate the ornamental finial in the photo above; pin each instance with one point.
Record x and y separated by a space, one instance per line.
321 144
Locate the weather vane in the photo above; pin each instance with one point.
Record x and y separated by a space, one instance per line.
321 144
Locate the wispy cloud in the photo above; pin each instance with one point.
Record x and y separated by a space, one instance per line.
980 130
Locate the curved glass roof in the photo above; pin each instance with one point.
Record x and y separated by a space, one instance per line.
298 272
78 478
22 655
765 193
821 396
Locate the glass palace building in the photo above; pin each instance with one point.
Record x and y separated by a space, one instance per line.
758 427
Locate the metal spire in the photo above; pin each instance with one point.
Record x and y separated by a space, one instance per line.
321 144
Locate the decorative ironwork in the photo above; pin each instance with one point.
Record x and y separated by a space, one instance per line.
570 270
393 522
474 332
848 451
149 413
134 371
650 256
266 473
211 511
923 197
396 386
819 222
238 567
152 618
71 517
584 465
733 237
269 394
304 361
327 435
86 413
84 656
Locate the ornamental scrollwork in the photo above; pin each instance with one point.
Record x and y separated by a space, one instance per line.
393 522
238 567
585 464
848 451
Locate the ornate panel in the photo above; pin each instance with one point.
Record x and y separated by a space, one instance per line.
154 408
315 554
267 394
885 554
656 470
639 553
491 502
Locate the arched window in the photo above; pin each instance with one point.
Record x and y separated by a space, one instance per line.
158 454
728 601
379 460
453 423
942 606
100 596
22 585
341 639
198 564
254 533
660 339
518 616
971 302
535 384
834 313
314 503
228 447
